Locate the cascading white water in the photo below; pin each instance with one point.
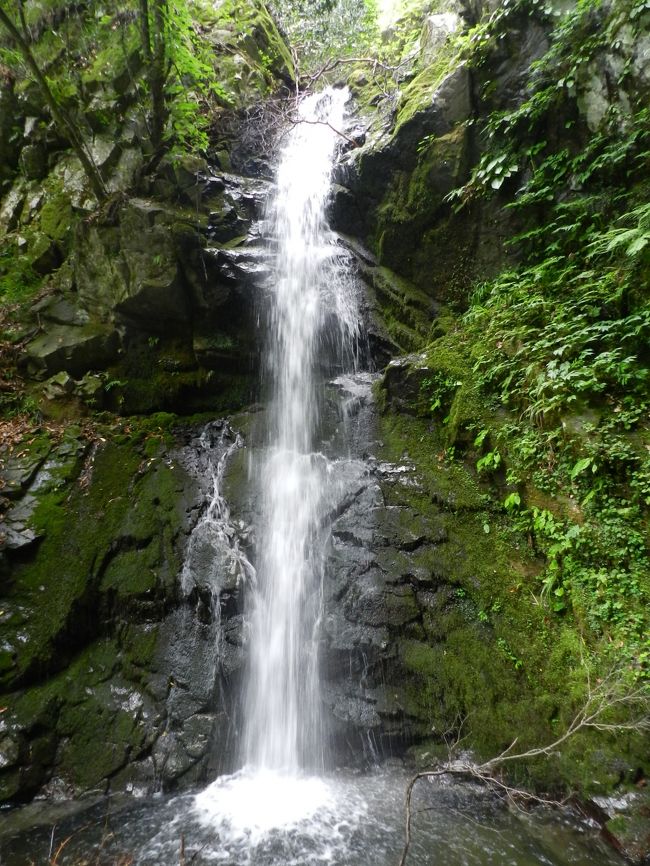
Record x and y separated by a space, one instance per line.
312 329
214 554
282 711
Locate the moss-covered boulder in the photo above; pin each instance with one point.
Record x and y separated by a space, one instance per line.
132 269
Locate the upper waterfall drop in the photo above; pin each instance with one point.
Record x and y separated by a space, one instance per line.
283 719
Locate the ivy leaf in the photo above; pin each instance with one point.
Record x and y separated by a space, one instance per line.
512 501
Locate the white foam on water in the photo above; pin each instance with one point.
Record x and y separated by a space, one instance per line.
257 813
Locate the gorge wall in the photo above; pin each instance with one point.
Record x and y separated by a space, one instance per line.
458 593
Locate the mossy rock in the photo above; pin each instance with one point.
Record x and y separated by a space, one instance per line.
439 383
272 50
484 652
117 538
132 573
109 713
252 55
420 443
33 161
415 196
76 349
631 827
44 254
131 271
85 705
56 217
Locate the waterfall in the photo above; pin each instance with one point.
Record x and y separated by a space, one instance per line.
318 488
283 730
311 333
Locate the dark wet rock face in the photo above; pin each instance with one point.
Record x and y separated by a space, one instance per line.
129 676
379 562
163 296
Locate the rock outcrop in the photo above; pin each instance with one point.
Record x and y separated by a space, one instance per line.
147 303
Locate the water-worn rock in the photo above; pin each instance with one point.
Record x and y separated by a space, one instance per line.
436 30
403 381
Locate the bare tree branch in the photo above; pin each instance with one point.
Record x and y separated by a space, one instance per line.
296 121
598 701
338 61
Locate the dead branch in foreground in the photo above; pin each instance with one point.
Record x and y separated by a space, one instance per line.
338 61
263 125
296 121
599 700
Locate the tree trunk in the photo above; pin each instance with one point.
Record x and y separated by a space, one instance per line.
154 42
60 116
158 76
145 33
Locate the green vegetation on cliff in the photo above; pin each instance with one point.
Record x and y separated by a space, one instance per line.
535 380
523 410
544 381
561 340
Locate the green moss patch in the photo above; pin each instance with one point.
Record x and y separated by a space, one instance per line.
488 652
418 93
113 533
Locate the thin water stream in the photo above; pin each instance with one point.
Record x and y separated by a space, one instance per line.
284 807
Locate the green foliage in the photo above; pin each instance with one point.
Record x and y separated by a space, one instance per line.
509 654
599 568
493 170
560 340
557 335
512 502
100 49
517 138
438 390
15 403
322 29
633 240
18 280
562 346
489 462
193 86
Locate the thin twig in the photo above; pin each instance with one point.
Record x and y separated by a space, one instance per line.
337 61
54 860
298 120
199 850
